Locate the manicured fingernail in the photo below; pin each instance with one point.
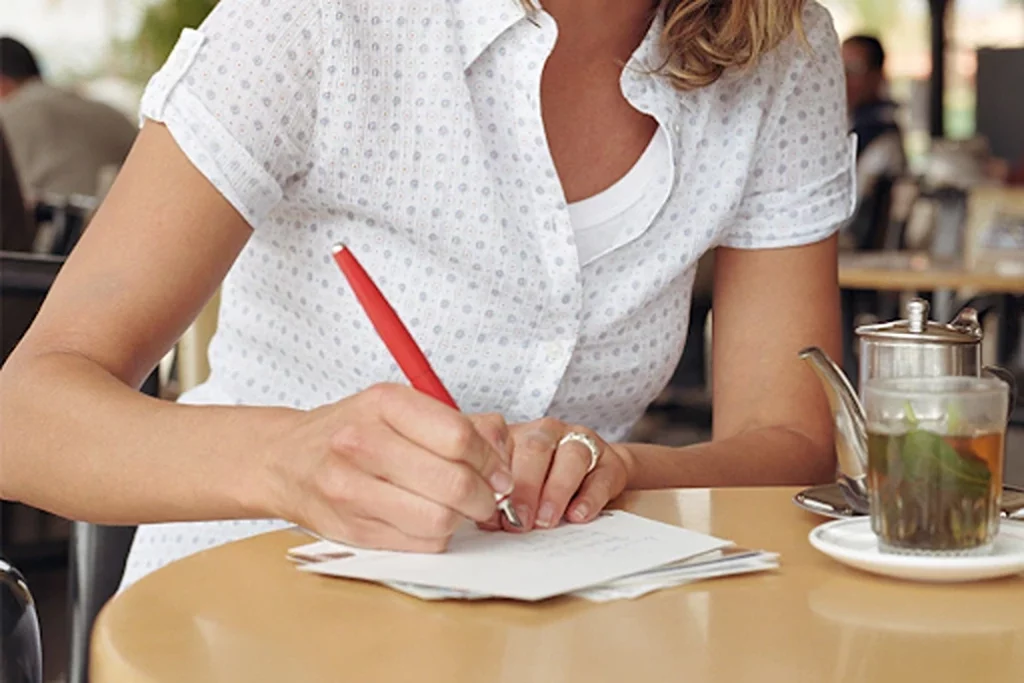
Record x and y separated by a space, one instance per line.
502 482
523 511
546 516
579 513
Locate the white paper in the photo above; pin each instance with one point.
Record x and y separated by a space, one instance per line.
533 566
632 586
639 585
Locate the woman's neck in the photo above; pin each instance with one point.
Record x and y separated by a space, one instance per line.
594 134
602 27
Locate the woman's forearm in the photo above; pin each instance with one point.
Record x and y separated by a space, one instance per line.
769 456
78 442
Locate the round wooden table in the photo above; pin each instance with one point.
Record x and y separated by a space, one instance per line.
242 612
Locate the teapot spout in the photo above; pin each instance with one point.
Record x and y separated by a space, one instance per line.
851 427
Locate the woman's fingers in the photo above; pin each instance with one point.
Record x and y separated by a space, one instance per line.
533 449
421 467
568 470
494 429
441 430
355 507
411 465
452 484
599 488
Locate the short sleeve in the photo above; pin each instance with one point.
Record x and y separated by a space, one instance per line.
802 184
240 94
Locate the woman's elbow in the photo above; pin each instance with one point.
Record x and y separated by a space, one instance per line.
818 456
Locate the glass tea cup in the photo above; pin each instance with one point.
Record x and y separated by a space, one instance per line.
935 463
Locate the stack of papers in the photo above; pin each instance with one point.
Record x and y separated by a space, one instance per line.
617 556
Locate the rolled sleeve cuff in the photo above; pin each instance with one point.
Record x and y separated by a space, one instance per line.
204 140
790 218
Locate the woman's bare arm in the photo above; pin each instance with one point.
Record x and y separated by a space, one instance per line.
386 468
772 425
77 439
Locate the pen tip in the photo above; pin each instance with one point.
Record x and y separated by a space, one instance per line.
338 248
510 514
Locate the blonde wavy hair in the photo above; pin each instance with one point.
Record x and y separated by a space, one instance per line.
703 38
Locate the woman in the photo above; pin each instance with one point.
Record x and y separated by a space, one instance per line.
531 188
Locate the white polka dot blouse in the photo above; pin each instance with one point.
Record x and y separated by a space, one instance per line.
412 131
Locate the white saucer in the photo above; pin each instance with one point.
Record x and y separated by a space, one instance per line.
852 542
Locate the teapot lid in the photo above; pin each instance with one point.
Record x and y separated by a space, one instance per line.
965 328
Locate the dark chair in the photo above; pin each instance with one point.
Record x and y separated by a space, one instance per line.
66 219
870 229
21 648
17 229
97 553
97 558
25 279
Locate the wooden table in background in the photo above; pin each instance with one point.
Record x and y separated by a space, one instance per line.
898 271
242 612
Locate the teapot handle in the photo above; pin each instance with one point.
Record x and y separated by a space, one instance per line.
1008 377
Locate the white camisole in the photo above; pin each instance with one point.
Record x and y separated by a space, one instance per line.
599 222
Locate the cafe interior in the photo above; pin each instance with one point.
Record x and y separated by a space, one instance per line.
937 235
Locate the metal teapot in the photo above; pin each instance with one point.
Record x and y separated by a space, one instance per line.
915 347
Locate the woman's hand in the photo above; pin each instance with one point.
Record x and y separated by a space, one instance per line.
551 476
389 468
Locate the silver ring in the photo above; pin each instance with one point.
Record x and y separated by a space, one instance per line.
586 440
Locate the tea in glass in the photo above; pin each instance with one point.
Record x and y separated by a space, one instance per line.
935 462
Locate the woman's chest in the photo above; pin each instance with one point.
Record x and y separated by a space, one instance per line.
442 181
457 166
419 129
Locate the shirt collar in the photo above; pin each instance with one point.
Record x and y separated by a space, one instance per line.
649 90
478 23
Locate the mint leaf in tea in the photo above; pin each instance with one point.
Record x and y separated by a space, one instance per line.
934 493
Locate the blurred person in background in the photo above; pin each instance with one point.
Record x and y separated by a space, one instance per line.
60 142
880 155
872 114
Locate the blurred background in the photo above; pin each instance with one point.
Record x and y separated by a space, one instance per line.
942 218
107 48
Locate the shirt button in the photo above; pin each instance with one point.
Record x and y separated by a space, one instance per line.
555 351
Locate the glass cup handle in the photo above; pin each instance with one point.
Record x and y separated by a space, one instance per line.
1008 377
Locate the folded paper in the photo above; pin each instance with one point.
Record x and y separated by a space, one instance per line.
618 555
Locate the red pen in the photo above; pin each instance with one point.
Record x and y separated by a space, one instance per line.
400 344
